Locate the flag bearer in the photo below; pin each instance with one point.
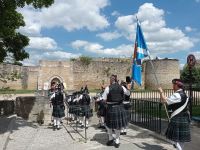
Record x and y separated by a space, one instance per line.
178 129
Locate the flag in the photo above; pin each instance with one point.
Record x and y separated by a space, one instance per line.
140 52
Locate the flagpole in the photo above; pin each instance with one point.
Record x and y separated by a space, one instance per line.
156 78
158 85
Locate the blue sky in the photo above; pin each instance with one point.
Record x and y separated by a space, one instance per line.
106 28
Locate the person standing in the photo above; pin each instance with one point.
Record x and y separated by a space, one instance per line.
178 129
57 100
127 106
101 109
115 114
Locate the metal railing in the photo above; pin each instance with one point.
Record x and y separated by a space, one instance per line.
75 114
147 110
146 114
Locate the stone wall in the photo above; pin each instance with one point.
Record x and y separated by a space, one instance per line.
165 70
49 70
99 71
28 78
75 74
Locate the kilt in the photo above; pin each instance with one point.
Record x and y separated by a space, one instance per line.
116 117
85 111
101 109
179 128
58 111
127 108
74 109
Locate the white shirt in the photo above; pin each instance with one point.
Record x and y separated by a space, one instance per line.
175 98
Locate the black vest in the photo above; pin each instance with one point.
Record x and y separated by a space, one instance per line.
126 98
173 107
58 99
116 93
85 99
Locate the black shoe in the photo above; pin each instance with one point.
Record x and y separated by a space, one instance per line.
110 143
58 128
101 127
54 128
116 145
82 126
123 133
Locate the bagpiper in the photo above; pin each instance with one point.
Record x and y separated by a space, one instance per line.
57 100
115 113
178 129
126 103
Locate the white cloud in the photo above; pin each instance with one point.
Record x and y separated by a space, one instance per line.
44 43
159 38
122 50
85 45
108 36
36 55
115 13
196 54
189 29
71 15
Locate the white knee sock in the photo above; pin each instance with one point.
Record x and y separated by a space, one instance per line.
110 137
58 122
117 133
54 121
179 145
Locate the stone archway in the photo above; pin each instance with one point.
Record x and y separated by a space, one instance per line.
56 79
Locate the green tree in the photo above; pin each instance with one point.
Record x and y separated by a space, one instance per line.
85 60
194 78
12 43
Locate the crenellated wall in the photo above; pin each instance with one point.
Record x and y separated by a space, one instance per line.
75 74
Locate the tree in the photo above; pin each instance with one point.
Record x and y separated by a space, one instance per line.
12 43
194 78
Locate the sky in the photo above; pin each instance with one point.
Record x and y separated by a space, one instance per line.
107 28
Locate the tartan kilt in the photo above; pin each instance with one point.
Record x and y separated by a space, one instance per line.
74 109
58 111
85 111
179 128
101 110
116 117
127 108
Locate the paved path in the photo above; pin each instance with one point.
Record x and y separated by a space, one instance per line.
27 136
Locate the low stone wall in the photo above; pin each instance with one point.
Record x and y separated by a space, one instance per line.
7 107
24 106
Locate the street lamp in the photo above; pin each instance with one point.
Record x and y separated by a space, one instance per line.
191 60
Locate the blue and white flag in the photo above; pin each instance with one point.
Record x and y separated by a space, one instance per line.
140 52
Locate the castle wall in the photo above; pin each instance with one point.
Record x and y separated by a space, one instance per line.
27 80
97 73
48 70
165 70
74 74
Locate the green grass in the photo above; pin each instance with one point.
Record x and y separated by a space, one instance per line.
151 112
10 91
196 110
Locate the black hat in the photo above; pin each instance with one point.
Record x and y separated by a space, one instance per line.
178 82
